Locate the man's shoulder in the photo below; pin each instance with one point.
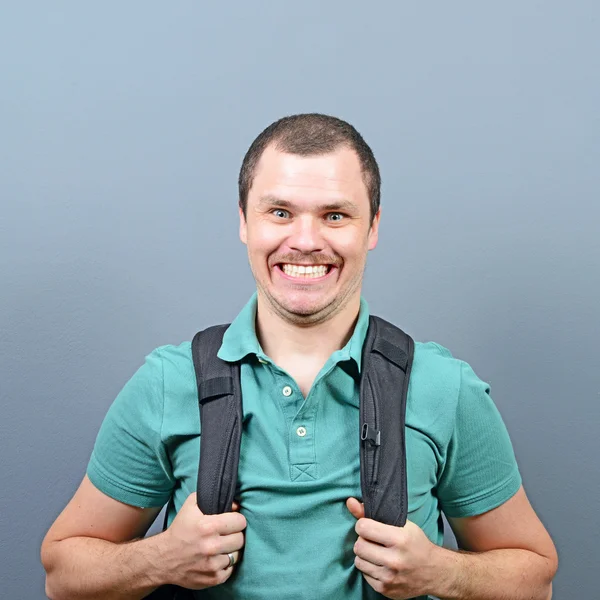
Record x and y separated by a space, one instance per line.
171 358
435 357
427 350
434 392
436 375
431 348
174 351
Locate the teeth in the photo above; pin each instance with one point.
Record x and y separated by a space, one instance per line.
307 272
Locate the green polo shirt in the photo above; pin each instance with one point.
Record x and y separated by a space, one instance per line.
299 458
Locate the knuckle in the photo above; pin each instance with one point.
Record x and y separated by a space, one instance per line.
396 564
211 547
206 528
387 577
212 564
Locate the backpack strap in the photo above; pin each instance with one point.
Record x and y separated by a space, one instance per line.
385 372
220 399
220 402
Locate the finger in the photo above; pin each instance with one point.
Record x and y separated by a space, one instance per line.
356 508
230 522
192 499
376 584
374 531
235 506
236 559
373 553
226 563
230 543
367 568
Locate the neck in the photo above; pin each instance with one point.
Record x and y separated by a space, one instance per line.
283 341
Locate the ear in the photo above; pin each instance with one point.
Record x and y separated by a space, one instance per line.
374 231
243 227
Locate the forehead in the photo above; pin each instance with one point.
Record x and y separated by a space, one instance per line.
336 175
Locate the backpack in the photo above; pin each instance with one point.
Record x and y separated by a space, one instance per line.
387 358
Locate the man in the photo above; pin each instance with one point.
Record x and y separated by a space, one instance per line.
309 213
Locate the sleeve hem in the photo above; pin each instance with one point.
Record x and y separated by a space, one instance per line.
485 502
118 491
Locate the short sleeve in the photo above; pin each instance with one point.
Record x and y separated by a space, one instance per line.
129 462
480 472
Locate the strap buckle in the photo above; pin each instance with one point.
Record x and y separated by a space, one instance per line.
370 434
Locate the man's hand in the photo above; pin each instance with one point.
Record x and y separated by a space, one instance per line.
197 545
398 562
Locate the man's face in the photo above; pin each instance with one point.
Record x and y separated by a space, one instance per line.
308 232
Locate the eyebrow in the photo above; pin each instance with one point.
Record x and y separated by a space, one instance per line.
341 205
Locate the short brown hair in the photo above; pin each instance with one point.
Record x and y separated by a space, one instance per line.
311 134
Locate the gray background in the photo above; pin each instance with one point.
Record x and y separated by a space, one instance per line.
122 128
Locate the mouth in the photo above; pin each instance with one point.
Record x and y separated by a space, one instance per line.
305 273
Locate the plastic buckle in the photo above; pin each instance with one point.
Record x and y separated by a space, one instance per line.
370 434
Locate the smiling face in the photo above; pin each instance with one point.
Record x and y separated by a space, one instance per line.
308 230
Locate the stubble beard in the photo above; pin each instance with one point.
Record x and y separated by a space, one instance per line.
310 317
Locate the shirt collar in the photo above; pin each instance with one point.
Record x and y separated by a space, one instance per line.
240 338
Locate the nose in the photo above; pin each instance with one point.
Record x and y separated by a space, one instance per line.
306 235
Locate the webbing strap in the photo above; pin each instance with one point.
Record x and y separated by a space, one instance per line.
220 400
386 365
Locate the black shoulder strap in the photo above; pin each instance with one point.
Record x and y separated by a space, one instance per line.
220 398
220 401
385 372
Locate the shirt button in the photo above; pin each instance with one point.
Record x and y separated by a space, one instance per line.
287 391
301 431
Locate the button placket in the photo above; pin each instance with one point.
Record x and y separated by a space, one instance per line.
283 393
302 438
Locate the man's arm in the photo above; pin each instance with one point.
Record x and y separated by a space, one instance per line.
95 569
510 556
92 551
89 553
505 554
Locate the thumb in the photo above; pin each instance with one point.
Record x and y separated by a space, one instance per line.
356 508
193 500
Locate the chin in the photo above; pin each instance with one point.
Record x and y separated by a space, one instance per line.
304 308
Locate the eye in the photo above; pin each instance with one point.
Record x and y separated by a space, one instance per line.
335 217
280 212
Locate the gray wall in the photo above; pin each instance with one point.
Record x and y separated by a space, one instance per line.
122 127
